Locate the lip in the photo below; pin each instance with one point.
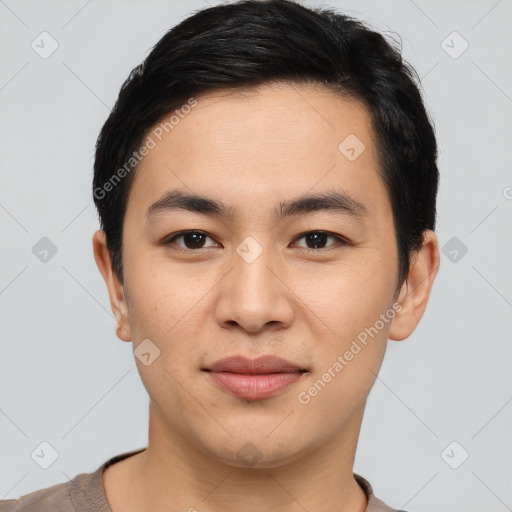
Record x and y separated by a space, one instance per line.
262 364
254 379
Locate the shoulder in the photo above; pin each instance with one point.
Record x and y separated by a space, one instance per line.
56 498
83 493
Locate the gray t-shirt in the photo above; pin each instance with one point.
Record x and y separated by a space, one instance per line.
85 493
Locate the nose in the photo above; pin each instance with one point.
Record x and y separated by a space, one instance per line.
254 295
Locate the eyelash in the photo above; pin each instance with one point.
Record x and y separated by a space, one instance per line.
171 240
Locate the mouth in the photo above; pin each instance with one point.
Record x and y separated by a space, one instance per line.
254 379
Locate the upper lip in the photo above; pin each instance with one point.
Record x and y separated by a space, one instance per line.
261 364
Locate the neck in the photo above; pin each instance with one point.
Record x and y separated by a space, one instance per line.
173 474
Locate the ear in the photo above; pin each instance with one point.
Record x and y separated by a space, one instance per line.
114 286
415 290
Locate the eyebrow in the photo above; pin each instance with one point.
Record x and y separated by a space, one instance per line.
330 201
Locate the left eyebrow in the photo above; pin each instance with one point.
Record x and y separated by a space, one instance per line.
326 201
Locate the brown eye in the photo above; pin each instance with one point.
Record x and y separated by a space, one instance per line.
191 240
318 239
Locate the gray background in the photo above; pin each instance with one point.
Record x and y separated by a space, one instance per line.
67 380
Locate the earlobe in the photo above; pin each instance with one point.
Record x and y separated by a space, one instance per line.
415 290
114 286
121 314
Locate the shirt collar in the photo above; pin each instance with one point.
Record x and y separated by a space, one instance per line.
374 503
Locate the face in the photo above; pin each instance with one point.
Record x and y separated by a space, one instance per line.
272 273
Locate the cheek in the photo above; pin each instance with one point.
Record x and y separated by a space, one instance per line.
349 357
169 305
345 298
163 296
350 304
166 308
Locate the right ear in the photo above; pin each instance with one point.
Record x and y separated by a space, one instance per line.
114 286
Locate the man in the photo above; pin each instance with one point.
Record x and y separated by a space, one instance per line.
266 185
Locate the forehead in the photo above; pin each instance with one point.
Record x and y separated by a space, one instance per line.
263 144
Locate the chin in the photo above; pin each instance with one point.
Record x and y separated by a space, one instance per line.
257 452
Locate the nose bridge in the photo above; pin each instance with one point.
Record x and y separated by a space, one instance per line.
252 295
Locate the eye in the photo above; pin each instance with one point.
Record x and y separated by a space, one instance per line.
194 239
191 239
319 238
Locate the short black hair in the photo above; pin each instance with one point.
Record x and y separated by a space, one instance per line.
249 43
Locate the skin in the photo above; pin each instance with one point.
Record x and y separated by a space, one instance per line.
252 150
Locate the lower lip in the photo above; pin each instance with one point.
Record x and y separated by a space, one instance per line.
254 386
